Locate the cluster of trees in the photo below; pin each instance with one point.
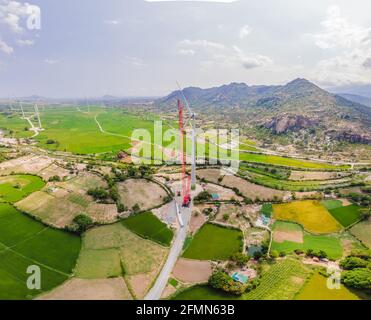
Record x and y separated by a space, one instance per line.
357 268
55 179
81 223
321 254
203 196
363 200
221 280
99 194
240 259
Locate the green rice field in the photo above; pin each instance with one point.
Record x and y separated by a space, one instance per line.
346 215
75 129
288 162
148 226
330 244
25 242
316 289
213 242
14 188
203 292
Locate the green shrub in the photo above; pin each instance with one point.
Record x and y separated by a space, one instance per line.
83 222
359 278
350 263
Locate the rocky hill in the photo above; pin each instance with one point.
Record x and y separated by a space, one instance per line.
298 105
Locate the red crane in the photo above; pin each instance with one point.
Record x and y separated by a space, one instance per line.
186 179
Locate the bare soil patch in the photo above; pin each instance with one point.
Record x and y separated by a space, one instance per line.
308 195
167 214
197 221
169 290
345 202
252 190
27 164
141 283
316 175
192 271
54 170
293 236
142 192
90 289
211 175
223 193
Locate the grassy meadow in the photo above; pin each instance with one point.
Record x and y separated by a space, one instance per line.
16 187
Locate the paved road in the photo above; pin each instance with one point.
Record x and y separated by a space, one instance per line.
176 249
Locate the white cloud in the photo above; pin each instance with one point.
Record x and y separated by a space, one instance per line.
367 63
222 55
51 61
11 13
5 48
25 43
112 22
245 31
135 61
187 52
352 46
339 32
201 44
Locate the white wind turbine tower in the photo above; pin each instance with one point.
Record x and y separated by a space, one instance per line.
23 115
194 138
37 113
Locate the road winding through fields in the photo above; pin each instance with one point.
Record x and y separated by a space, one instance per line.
175 251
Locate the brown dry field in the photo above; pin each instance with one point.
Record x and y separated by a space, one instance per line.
315 175
224 193
169 290
347 191
90 289
196 221
140 283
142 192
82 183
293 236
192 271
345 202
251 190
58 203
27 164
308 195
140 258
211 175
53 170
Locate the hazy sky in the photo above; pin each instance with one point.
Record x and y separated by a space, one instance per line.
135 47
